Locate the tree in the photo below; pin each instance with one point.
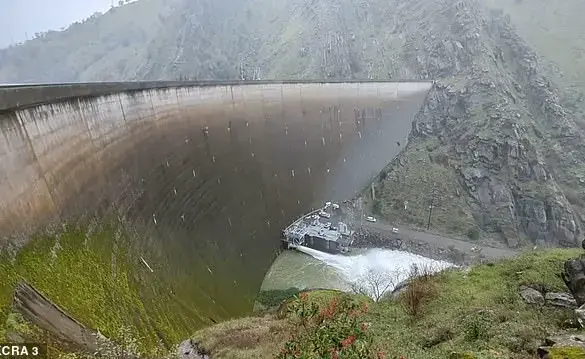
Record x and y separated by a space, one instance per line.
375 283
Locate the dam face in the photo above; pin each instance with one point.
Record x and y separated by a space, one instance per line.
203 177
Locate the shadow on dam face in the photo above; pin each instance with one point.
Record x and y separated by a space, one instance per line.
203 177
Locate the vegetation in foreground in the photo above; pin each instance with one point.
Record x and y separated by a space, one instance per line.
477 313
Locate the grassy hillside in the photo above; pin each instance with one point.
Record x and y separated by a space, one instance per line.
460 314
115 46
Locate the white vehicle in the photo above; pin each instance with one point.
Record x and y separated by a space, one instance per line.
394 230
324 214
370 219
335 206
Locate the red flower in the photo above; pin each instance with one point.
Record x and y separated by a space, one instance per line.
327 313
304 296
330 311
348 341
380 355
365 308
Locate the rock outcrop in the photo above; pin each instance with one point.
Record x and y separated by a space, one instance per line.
573 343
574 277
499 146
531 295
555 299
189 349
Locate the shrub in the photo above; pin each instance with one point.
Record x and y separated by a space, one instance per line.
477 326
334 331
418 292
473 233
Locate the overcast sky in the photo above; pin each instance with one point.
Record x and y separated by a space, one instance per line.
18 17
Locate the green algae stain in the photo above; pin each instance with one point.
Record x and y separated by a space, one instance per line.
99 280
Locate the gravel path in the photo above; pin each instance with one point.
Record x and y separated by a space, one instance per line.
440 241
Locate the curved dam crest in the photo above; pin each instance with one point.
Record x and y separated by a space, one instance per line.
202 176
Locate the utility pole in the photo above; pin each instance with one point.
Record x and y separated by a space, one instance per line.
433 202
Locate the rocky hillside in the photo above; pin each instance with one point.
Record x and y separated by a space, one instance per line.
494 146
555 30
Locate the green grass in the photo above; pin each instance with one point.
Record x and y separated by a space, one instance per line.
567 353
258 337
478 314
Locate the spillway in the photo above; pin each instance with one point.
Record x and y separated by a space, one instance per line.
201 176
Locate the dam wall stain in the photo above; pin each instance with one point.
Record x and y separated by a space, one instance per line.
202 177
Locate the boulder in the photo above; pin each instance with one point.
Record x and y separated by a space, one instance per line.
574 277
567 340
569 345
564 300
531 295
190 349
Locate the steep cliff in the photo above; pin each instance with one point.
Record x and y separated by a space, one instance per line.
492 148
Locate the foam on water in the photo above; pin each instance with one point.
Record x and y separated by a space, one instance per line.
353 268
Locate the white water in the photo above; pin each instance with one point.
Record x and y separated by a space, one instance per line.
307 268
353 267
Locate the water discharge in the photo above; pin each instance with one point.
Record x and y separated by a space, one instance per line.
309 268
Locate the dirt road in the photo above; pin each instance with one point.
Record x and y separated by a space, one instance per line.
440 241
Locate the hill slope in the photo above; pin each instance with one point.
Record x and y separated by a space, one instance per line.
494 144
555 29
473 314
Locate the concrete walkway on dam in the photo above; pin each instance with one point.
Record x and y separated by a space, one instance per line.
204 175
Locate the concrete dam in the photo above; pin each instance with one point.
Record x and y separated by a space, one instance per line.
190 183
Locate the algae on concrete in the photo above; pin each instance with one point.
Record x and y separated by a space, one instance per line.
98 278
